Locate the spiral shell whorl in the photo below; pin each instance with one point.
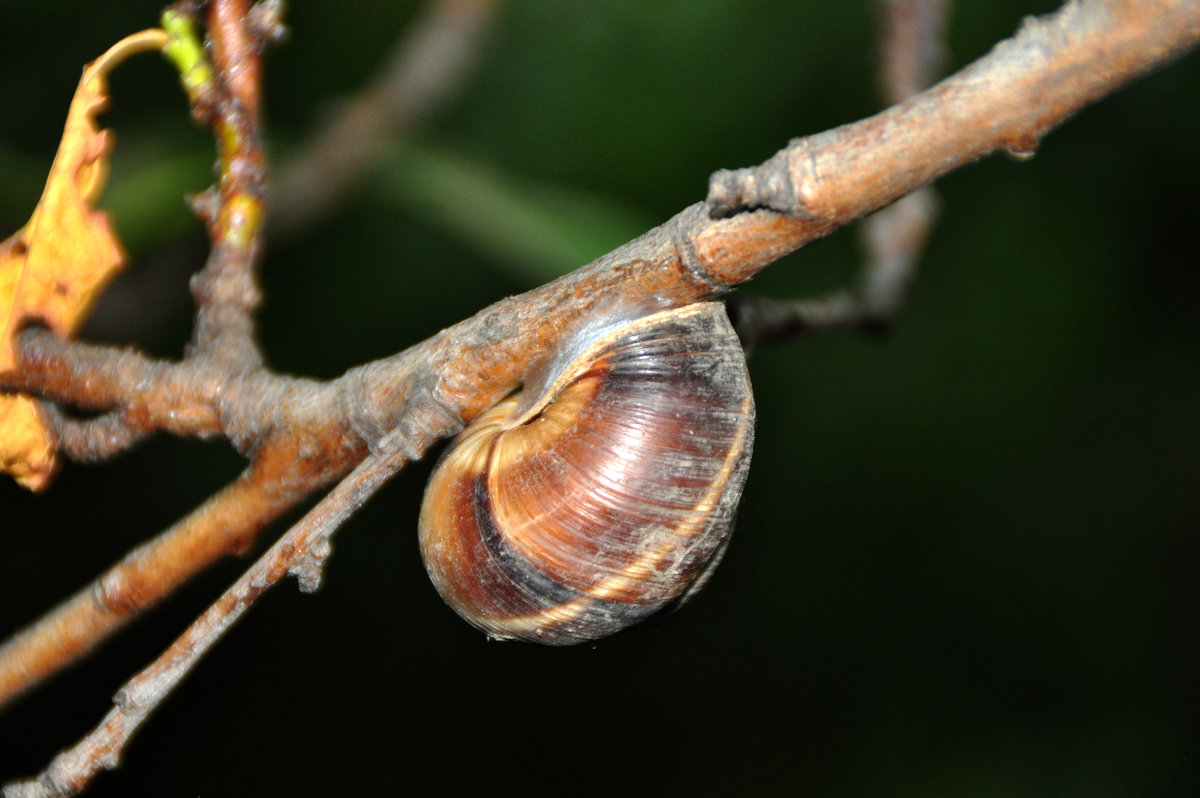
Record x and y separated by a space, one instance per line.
605 499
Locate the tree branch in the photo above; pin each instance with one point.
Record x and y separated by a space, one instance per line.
301 553
1022 89
911 53
398 406
225 524
225 290
1007 100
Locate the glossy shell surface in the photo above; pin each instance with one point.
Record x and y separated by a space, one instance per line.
567 516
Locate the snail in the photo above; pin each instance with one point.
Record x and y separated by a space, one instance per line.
601 494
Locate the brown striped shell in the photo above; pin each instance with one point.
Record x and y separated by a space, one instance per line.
571 514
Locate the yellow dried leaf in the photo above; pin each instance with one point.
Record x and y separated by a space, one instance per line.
53 268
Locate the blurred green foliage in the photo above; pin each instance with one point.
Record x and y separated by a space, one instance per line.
965 560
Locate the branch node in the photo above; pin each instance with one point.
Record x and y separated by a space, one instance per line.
205 205
309 568
683 230
782 184
266 21
124 699
96 439
1021 148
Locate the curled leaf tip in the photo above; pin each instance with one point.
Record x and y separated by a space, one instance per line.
144 41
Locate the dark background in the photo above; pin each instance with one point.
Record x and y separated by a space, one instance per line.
964 561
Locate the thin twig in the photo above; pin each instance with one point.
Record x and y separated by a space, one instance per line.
912 45
225 524
225 290
426 68
894 238
911 53
301 552
91 440
911 56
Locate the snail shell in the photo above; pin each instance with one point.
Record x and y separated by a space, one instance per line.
605 491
